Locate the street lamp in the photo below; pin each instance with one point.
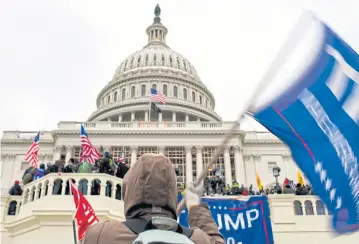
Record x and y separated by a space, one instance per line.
276 173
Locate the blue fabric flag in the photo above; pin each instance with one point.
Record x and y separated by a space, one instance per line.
239 221
317 117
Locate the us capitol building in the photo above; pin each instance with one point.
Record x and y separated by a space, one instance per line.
187 131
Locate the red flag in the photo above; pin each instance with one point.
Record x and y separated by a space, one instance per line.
286 181
84 213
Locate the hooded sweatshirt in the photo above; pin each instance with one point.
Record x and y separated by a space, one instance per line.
149 189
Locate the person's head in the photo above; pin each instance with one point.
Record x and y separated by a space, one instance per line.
150 188
107 154
71 161
17 182
62 157
42 166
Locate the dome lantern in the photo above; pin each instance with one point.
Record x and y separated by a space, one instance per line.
157 32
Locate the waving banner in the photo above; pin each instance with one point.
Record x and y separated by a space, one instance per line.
240 221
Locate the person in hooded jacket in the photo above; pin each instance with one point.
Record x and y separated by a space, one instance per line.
150 190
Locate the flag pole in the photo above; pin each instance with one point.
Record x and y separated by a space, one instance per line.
283 54
73 210
149 111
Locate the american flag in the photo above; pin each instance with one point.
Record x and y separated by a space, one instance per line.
158 96
88 150
290 183
84 213
31 155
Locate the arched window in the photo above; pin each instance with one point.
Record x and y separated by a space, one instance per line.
139 61
185 96
175 91
163 59
298 208
200 99
154 58
171 63
115 96
164 89
133 91
123 95
108 99
178 63
132 59
193 97
206 103
143 90
146 59
154 86
308 208
320 207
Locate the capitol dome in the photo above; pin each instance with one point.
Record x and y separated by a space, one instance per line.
127 96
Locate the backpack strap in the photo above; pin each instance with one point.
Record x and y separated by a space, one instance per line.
138 226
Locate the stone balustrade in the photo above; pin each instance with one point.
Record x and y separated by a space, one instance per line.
99 184
141 125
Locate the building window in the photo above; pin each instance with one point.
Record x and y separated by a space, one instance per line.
123 95
76 153
206 103
133 91
308 208
143 90
319 207
271 165
125 67
193 97
154 58
298 208
139 61
132 59
175 91
218 167
146 59
184 93
200 99
163 59
164 89
171 63
178 63
116 153
178 159
115 96
154 86
108 99
143 150
184 65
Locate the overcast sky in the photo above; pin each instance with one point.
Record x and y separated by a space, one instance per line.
55 56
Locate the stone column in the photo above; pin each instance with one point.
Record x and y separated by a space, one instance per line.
159 117
69 149
58 150
189 171
6 172
146 116
187 118
132 116
251 171
161 149
120 118
173 116
133 154
199 160
227 166
239 165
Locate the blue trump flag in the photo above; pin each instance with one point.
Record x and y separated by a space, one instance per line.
318 117
239 221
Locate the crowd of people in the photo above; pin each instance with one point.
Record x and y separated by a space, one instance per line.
215 186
